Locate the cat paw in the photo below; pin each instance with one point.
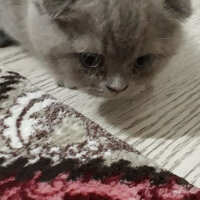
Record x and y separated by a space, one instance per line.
5 40
60 84
63 85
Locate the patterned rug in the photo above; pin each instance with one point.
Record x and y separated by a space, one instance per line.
48 151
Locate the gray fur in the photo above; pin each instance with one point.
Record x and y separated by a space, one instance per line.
56 31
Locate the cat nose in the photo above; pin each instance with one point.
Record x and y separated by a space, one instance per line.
117 84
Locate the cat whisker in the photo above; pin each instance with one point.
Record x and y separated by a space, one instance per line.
169 38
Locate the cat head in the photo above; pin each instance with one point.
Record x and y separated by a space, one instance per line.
107 47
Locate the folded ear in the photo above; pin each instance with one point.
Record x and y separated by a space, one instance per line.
180 9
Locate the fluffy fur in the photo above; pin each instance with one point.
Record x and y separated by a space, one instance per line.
57 31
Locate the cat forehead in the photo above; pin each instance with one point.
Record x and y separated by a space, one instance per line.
110 27
123 28
99 10
119 25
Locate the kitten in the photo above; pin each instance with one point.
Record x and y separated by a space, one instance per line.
105 47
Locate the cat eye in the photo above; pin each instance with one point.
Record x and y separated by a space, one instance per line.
144 61
91 60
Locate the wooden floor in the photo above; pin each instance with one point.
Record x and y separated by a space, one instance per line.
164 125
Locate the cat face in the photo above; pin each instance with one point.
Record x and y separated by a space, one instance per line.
107 47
